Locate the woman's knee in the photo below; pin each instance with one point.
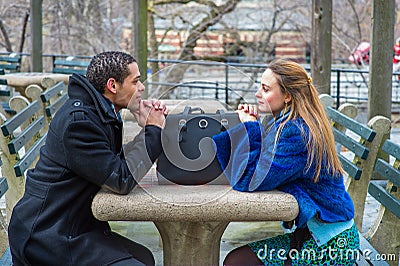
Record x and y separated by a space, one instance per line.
242 256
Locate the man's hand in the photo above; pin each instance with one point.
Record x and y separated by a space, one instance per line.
150 112
157 113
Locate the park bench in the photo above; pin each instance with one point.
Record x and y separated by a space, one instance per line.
5 93
70 65
5 255
20 144
23 135
10 62
358 147
384 234
52 98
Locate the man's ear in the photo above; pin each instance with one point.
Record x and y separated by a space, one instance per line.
111 85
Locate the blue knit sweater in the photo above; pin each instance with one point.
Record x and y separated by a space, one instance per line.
256 161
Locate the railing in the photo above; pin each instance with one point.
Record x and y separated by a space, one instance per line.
349 85
234 82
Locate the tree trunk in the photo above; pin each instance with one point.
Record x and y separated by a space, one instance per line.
321 60
381 54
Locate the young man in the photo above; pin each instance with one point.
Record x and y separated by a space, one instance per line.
53 223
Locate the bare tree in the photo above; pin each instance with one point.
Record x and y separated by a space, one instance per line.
194 17
350 24
9 25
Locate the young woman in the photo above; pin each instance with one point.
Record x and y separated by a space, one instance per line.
292 150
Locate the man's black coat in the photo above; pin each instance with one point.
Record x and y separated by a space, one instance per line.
53 223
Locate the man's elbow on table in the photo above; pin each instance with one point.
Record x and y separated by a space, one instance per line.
118 184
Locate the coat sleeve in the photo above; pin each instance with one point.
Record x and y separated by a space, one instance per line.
259 160
89 155
142 151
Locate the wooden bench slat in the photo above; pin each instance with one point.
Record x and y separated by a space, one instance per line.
53 108
69 71
3 186
10 125
376 190
358 128
53 91
16 59
5 259
71 63
354 146
9 66
29 157
353 170
7 108
5 93
367 249
388 171
391 148
33 129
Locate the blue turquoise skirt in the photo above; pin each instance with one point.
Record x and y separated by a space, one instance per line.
340 250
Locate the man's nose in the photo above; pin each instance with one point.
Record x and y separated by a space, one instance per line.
141 86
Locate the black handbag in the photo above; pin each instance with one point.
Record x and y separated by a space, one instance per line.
188 157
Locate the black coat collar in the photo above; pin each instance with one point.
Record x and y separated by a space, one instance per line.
80 88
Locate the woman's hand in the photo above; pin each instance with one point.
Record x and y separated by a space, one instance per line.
247 112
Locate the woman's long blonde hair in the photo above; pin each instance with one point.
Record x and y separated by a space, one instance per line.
293 79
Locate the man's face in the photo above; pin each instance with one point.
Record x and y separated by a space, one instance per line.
130 91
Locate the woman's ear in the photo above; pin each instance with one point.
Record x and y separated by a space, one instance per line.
111 85
288 98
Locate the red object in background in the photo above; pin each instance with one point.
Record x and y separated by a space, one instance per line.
360 55
396 52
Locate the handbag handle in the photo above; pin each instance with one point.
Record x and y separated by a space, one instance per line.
190 110
182 123
224 121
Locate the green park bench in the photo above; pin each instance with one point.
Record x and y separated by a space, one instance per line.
52 98
384 235
5 255
10 62
23 135
70 65
5 93
358 147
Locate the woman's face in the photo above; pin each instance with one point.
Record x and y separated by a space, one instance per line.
269 96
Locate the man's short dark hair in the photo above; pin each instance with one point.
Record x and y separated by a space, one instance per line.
105 65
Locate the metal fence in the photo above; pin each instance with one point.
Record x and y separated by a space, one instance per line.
233 82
